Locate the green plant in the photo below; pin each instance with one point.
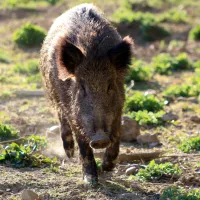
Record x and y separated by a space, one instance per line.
174 16
184 90
190 145
4 57
139 71
28 68
23 155
139 101
175 44
165 64
29 35
151 31
157 171
175 193
194 34
144 117
7 132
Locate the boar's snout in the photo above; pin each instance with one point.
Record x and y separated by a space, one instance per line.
99 140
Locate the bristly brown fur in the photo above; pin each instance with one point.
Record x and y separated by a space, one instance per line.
83 65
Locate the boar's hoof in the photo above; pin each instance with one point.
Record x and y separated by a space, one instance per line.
99 141
93 181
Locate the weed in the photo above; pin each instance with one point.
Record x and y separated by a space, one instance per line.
155 171
29 35
166 64
190 145
28 68
184 90
139 101
22 155
7 132
139 71
194 34
4 57
175 193
144 117
174 16
98 163
175 44
152 31
197 64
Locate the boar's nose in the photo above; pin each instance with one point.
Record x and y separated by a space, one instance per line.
99 140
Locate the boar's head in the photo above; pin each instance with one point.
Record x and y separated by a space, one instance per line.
97 88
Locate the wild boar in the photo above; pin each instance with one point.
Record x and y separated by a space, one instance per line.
83 64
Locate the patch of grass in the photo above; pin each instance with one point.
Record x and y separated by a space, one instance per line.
6 95
7 132
149 27
139 101
184 90
175 193
174 15
143 117
26 3
166 64
190 145
139 71
29 35
28 68
174 44
155 171
152 31
23 155
194 34
4 57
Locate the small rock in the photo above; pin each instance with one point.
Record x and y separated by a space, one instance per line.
44 196
147 138
129 130
169 117
29 195
195 119
131 170
8 190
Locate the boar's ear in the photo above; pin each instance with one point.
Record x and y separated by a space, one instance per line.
121 54
68 57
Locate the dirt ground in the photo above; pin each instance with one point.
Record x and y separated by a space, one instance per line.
33 115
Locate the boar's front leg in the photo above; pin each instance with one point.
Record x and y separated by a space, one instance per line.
111 154
89 167
66 135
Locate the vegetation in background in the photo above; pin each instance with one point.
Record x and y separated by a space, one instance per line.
194 34
139 71
23 155
166 64
174 16
152 31
28 68
4 57
143 117
190 145
29 35
175 193
154 171
149 27
184 90
18 3
139 101
7 132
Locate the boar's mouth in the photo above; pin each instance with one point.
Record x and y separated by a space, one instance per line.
99 141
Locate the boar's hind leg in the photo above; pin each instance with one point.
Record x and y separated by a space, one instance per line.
67 138
110 156
88 162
